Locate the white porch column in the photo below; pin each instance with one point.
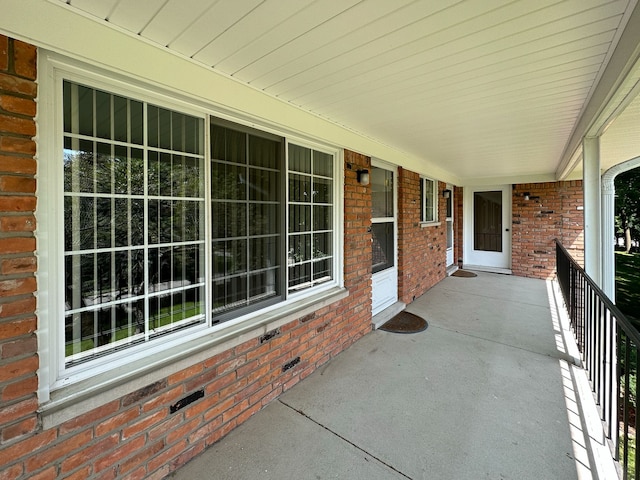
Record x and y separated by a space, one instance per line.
608 224
592 208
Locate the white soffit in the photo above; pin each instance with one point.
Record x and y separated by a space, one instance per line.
486 89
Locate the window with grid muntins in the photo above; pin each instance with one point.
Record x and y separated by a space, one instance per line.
162 235
310 246
133 222
428 200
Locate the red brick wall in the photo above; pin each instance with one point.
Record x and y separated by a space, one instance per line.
137 436
422 251
18 345
554 210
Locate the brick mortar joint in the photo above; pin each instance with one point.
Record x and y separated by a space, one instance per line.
10 113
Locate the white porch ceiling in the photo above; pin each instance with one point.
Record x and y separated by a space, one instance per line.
484 88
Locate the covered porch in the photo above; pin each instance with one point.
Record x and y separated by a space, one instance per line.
489 390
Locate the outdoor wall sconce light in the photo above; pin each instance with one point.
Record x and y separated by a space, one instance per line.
526 196
363 177
446 193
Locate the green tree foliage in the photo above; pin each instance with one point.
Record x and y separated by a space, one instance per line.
627 209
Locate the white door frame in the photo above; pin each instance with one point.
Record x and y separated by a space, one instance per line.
384 284
481 260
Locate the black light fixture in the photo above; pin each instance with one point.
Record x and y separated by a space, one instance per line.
363 177
446 193
526 196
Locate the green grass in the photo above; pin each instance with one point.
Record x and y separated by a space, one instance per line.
631 464
628 301
628 284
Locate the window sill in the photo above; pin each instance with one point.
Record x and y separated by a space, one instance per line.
73 400
430 224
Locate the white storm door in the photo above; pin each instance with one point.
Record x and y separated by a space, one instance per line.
487 221
449 222
384 277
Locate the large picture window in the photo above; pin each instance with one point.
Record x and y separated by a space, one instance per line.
175 221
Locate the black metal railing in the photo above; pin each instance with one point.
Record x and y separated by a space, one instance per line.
609 345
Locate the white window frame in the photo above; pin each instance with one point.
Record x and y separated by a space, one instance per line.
424 181
60 386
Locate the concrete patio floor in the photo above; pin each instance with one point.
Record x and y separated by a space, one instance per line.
486 392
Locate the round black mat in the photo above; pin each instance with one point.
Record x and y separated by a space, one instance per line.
405 322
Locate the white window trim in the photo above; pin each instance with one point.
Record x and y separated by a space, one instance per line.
62 396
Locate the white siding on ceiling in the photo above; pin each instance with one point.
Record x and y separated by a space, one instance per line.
502 80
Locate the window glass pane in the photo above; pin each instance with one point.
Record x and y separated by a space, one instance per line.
228 182
192 135
177 176
67 103
83 121
299 159
103 115
121 119
153 119
487 221
299 188
299 248
79 225
300 276
165 129
229 294
228 145
262 252
165 175
322 190
104 222
229 258
322 245
263 285
193 177
264 152
178 131
299 218
322 270
263 185
381 192
264 219
322 164
382 246
103 169
121 170
322 217
136 120
229 220
429 200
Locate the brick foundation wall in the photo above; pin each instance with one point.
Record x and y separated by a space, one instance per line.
554 210
138 436
422 251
